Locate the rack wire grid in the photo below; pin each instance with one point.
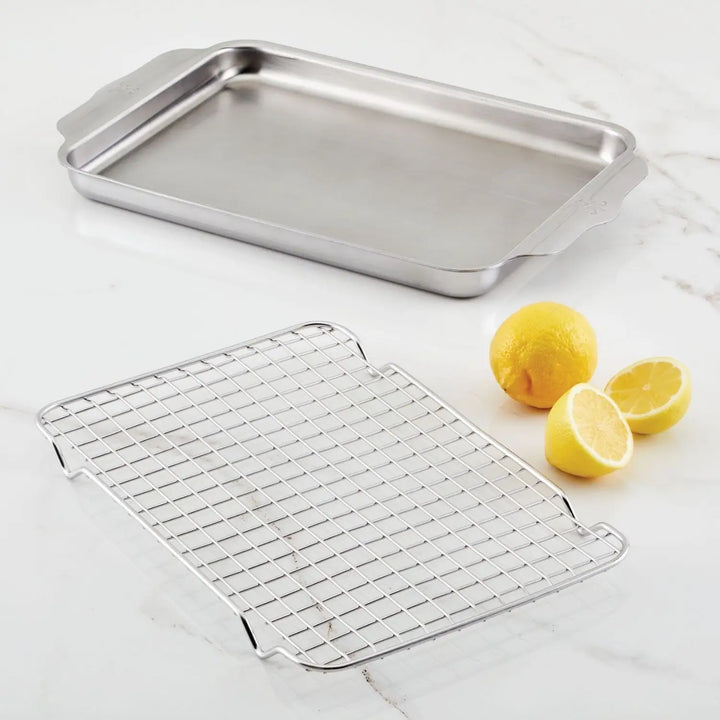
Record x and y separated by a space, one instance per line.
342 511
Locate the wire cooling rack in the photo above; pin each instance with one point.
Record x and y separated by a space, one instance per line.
342 511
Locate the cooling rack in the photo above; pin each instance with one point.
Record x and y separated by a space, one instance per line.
343 511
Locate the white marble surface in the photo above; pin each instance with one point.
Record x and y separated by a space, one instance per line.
92 626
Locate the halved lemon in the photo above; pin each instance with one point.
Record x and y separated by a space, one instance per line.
652 394
586 434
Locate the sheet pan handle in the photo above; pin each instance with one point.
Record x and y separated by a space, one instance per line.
120 96
587 211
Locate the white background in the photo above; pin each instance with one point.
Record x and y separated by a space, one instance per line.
90 628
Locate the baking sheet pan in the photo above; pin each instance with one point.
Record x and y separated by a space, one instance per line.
404 179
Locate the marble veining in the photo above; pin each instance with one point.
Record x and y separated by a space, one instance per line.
370 680
713 297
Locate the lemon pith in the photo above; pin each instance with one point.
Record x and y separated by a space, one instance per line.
586 434
652 394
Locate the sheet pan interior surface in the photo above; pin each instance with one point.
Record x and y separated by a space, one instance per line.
364 176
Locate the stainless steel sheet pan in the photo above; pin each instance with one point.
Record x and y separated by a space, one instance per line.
409 180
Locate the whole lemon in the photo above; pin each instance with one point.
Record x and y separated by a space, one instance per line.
541 351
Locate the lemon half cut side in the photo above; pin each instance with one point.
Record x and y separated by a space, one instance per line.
652 394
586 434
